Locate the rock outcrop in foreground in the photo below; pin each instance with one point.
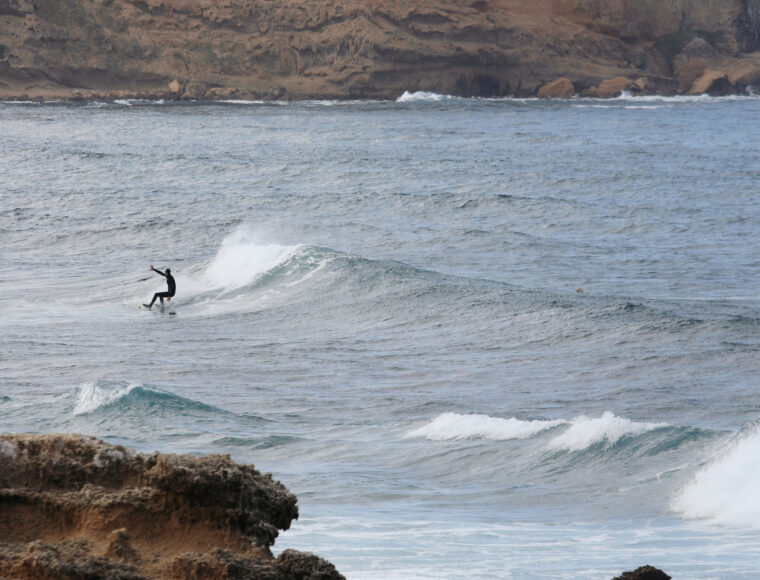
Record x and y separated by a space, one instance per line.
293 49
643 573
75 507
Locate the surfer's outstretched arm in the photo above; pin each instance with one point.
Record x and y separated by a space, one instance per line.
157 271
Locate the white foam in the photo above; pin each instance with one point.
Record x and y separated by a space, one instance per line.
609 428
725 492
628 96
241 259
408 97
452 426
93 396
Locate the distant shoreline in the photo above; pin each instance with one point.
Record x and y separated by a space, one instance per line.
295 50
406 97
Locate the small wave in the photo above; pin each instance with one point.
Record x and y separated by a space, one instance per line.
97 397
256 442
452 426
725 492
132 102
585 432
422 96
242 258
93 396
243 102
702 98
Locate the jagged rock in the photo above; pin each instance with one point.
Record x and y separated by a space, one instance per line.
643 573
304 566
119 547
560 88
64 560
75 507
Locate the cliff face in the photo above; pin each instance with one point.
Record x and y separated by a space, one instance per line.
371 48
75 507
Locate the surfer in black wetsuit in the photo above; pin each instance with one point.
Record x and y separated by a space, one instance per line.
170 290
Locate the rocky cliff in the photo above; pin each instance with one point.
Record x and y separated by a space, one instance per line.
74 507
206 49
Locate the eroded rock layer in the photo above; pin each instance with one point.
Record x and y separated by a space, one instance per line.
206 49
76 507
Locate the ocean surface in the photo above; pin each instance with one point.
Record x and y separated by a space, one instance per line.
380 303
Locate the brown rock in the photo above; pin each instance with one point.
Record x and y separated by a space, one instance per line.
293 564
613 87
560 88
119 547
589 92
67 502
713 82
743 74
688 71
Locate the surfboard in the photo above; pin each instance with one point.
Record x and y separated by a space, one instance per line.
157 309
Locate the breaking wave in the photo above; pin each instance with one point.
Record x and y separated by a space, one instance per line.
580 433
100 397
725 492
240 260
422 96
585 432
452 426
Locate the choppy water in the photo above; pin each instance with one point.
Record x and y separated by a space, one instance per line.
377 303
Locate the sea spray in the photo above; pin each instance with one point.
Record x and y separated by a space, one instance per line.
725 492
242 258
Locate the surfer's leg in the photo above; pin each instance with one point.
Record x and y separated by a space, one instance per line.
156 295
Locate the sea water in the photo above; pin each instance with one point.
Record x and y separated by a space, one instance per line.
477 338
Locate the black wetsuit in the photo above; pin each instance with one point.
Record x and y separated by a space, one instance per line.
171 289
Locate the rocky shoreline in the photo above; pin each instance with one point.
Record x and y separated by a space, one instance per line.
374 49
75 507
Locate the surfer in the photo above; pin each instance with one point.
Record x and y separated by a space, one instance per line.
170 290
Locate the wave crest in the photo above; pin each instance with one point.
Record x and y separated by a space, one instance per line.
422 96
725 492
585 432
97 397
93 396
581 433
452 426
242 258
